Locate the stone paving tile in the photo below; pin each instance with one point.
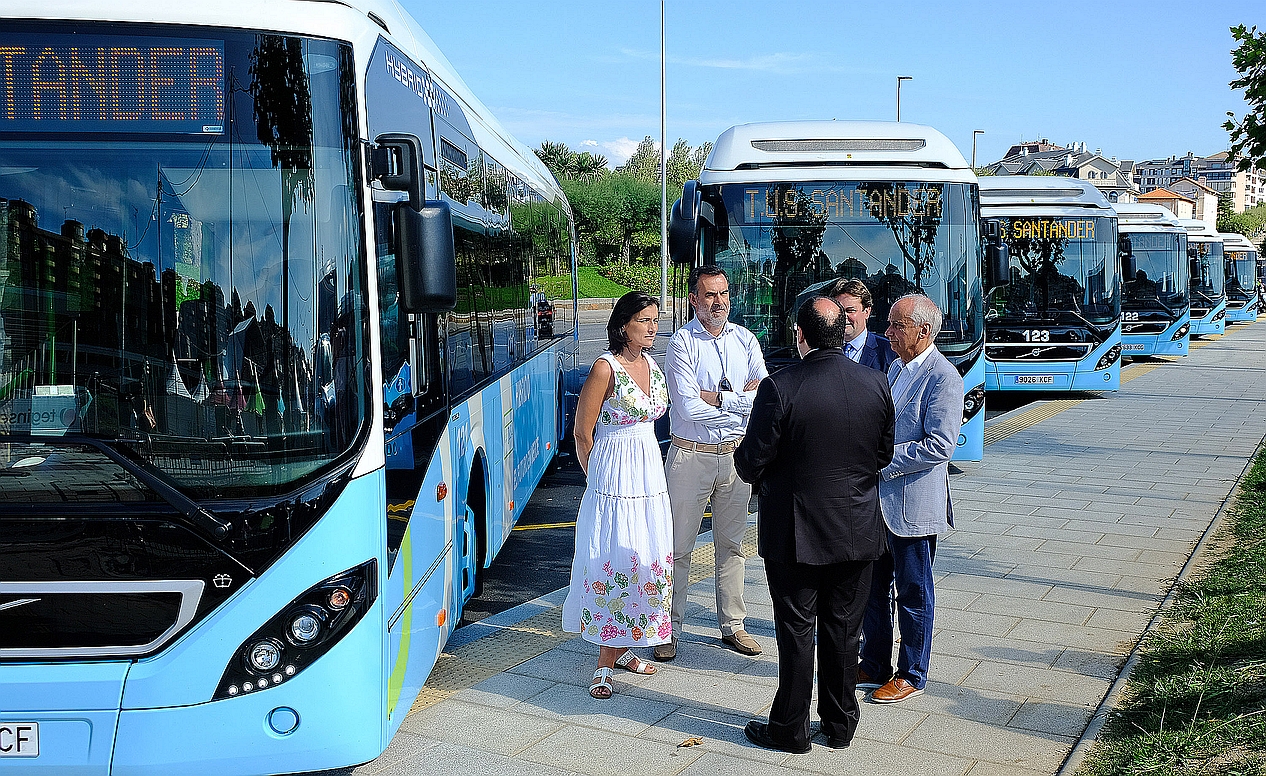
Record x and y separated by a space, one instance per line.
1129 623
1090 663
974 646
1046 717
1056 533
1073 635
455 721
503 690
985 768
1038 610
672 685
1135 567
1115 529
977 741
621 713
721 731
595 752
948 598
1035 682
568 667
403 754
1101 552
1010 588
975 621
712 764
868 757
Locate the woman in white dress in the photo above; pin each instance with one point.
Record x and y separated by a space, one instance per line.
621 577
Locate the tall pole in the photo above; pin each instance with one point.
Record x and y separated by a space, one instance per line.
901 78
974 133
663 168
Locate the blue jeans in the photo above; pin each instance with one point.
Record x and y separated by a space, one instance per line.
908 564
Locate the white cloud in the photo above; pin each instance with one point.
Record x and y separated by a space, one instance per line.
589 143
619 150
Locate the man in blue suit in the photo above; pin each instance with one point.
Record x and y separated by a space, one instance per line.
927 394
863 346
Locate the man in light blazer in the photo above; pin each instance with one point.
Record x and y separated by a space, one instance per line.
860 344
927 393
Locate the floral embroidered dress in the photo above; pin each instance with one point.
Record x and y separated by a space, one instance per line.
622 574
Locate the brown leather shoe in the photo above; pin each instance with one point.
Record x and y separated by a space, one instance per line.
867 682
666 651
897 689
741 642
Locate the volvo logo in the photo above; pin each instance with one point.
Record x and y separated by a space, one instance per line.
17 603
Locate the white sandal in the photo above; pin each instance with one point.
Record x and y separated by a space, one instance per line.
631 662
601 688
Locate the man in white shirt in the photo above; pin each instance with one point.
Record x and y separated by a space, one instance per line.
862 345
712 367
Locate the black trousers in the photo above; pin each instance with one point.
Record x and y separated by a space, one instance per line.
830 600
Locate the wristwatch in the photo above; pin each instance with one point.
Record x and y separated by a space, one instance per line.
718 400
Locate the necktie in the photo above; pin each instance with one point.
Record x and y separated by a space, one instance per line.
851 351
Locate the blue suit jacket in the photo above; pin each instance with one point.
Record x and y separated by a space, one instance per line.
914 489
877 353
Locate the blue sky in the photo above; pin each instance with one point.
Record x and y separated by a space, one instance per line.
1137 79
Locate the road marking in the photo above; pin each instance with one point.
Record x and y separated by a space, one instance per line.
539 526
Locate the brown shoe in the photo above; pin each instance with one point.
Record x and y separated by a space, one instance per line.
867 682
666 651
741 642
897 689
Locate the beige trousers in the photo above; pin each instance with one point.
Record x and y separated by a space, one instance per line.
694 479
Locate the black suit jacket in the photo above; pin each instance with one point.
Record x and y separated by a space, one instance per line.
819 433
877 353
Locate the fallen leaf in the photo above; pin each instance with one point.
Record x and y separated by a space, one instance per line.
693 741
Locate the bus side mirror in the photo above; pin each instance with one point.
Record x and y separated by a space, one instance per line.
683 225
997 256
425 257
1125 248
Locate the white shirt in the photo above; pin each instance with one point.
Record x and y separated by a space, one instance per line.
696 361
858 344
908 371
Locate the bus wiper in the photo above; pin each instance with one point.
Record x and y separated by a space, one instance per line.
1094 328
169 493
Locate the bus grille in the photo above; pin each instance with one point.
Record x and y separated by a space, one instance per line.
90 619
1027 352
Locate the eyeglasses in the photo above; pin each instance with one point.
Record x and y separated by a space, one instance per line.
902 325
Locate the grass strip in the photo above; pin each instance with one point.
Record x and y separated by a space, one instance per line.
592 285
1196 702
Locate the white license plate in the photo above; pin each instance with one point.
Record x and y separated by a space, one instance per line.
1035 379
19 739
1129 346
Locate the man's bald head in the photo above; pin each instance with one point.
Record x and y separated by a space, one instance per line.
822 322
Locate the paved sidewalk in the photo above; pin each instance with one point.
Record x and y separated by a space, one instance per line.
1068 536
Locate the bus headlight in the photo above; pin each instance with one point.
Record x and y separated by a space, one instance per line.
1219 315
973 402
1182 331
1109 358
265 655
302 631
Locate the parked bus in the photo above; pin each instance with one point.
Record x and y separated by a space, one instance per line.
271 389
1053 317
1155 305
1241 278
1208 277
788 207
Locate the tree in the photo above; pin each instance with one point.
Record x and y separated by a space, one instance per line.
643 165
1248 135
1226 210
556 156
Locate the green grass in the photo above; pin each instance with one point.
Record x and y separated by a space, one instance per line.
592 285
1196 702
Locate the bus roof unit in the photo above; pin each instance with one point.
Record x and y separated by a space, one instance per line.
1200 229
1040 191
786 150
1133 214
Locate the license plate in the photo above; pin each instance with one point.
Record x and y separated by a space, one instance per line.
19 739
1129 346
1035 379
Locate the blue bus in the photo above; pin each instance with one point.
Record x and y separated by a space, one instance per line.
788 207
272 390
1155 305
1207 264
1240 256
1053 308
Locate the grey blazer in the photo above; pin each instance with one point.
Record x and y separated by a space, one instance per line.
914 489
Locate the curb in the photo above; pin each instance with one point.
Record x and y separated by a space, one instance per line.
1100 717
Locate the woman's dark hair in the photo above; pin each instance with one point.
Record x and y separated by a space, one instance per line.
625 308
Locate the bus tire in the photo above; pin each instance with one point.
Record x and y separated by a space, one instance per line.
477 503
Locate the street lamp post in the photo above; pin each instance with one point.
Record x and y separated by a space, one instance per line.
901 78
663 169
974 133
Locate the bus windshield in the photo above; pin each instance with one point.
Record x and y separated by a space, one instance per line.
1064 270
1208 276
1160 272
781 242
1241 274
182 275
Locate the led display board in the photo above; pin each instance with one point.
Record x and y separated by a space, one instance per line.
111 83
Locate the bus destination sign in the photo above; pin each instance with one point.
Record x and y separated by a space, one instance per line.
107 83
843 203
1048 229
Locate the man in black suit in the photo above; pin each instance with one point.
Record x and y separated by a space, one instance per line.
815 451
